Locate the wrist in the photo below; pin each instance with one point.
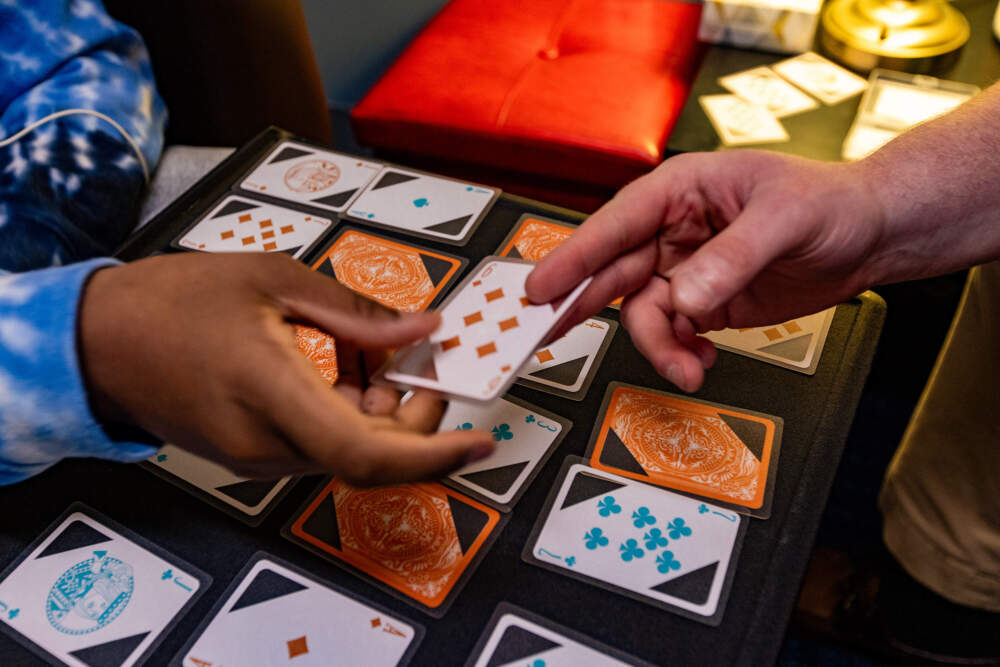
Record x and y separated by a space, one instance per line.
95 342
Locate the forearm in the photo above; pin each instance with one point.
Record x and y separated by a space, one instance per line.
939 189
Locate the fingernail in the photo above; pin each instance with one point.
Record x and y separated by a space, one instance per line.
692 292
478 453
675 375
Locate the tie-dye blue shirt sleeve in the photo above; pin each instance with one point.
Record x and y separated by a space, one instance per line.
81 126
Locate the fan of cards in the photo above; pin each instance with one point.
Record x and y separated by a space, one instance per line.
656 511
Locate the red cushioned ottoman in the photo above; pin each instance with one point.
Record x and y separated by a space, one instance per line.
565 100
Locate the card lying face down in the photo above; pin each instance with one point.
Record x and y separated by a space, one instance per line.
308 175
239 224
795 345
319 348
91 592
515 636
658 547
489 330
421 542
724 454
275 613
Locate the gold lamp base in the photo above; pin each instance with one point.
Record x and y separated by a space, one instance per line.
919 36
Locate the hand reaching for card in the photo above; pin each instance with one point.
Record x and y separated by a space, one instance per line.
200 351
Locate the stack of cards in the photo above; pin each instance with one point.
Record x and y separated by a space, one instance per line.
796 344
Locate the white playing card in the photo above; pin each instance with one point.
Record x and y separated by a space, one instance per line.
566 366
650 544
761 86
525 435
488 331
519 638
823 78
309 175
277 614
796 344
250 498
423 205
238 224
90 592
739 122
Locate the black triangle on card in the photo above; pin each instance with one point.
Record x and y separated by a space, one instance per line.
435 267
336 200
565 373
289 153
751 433
517 644
515 253
585 486
468 521
451 227
291 251
322 523
615 454
693 586
109 654
250 492
496 480
793 350
267 585
74 536
326 268
234 206
390 178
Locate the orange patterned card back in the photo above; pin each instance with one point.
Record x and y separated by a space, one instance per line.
320 349
396 275
700 448
534 238
419 539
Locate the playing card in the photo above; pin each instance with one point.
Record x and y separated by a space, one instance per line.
739 122
308 175
489 329
525 435
421 542
652 545
796 344
319 348
534 237
724 454
823 78
517 637
275 614
761 86
424 205
404 277
246 499
566 366
91 592
238 224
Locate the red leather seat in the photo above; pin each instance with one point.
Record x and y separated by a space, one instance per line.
582 93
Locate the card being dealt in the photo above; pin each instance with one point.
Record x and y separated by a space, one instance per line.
795 344
308 175
515 636
91 592
566 367
649 544
525 435
275 613
425 205
238 224
489 329
724 454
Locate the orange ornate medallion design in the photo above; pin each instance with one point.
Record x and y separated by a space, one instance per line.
320 349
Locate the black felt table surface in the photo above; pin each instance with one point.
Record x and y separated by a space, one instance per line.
817 412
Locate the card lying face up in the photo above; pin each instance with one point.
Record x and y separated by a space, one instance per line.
658 547
489 329
424 205
238 224
421 542
309 175
91 592
566 367
724 454
515 636
795 345
275 613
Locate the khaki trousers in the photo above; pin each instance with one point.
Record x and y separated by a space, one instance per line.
941 497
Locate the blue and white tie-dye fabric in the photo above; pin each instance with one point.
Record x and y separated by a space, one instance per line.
81 126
